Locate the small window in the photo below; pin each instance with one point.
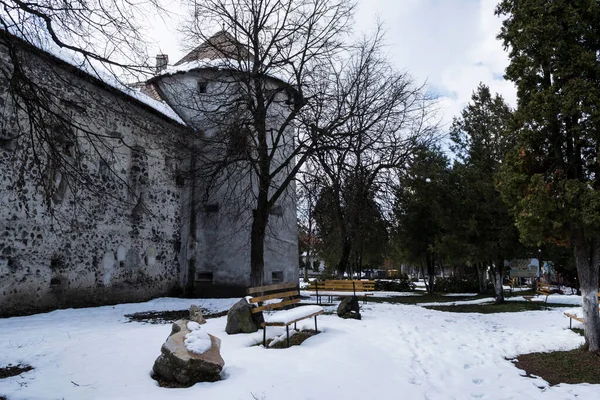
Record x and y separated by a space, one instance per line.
276 276
211 208
202 87
204 277
276 210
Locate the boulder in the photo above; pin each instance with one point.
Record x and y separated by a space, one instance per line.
178 365
196 315
241 320
349 308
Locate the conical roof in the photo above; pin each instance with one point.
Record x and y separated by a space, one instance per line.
220 45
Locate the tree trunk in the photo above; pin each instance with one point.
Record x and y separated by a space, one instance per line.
257 246
481 277
431 271
345 257
498 276
587 259
422 269
306 269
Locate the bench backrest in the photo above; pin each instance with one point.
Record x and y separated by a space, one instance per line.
266 296
343 285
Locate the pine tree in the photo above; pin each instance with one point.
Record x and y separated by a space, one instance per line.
480 142
421 209
552 178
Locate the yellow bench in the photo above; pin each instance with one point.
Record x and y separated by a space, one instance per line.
575 317
544 289
512 282
341 288
273 297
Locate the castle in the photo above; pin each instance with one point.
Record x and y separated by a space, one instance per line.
114 211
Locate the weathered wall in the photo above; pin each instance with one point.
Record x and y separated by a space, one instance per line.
113 234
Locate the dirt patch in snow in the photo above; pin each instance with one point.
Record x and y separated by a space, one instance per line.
167 317
295 339
490 308
575 366
13 370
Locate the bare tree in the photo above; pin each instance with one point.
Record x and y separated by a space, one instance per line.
308 192
99 37
274 52
375 118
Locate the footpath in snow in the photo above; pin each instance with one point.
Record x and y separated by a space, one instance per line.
395 352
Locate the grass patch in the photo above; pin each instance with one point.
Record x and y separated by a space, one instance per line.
295 340
491 308
425 298
167 317
578 331
575 366
13 370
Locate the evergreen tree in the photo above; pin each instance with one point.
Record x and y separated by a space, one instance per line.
552 178
480 142
421 208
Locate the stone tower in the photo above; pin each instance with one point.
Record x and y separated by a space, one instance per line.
205 88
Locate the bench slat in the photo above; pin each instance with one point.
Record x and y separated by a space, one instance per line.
258 299
270 288
275 305
576 318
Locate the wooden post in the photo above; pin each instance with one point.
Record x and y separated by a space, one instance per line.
287 331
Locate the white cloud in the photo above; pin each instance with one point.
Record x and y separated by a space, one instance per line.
451 44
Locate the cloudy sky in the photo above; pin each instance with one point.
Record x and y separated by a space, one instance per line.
450 44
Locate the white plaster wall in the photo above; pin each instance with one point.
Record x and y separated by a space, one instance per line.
223 238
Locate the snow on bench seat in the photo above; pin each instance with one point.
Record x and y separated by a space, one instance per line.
287 317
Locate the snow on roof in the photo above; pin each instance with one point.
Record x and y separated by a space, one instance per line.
99 72
221 64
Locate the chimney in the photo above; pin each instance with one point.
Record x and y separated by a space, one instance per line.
162 60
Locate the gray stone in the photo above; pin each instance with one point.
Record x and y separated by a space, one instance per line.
349 308
177 365
196 315
241 320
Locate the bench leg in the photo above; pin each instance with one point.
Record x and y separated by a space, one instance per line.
287 331
316 324
264 336
295 328
570 323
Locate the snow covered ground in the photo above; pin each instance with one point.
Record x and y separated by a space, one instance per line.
395 352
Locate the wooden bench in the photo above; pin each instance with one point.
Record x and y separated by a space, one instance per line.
276 297
544 289
575 317
341 288
512 282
